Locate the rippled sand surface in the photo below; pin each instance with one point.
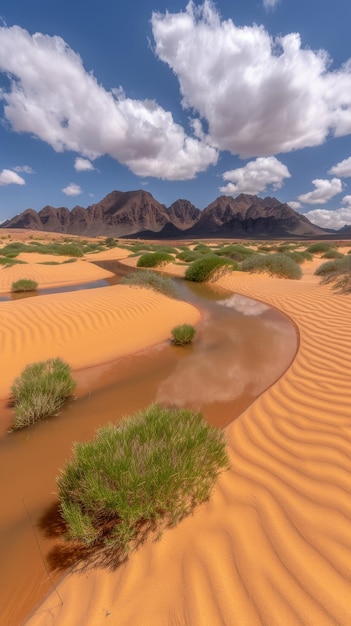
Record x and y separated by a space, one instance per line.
273 544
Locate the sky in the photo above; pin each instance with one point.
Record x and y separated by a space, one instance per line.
182 99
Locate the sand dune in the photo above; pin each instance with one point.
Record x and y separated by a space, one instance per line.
85 328
272 546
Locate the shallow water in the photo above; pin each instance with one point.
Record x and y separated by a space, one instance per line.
241 348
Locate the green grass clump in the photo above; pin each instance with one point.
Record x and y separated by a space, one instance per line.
208 267
40 391
335 266
165 248
332 254
151 280
274 264
183 334
236 252
8 262
24 284
189 256
144 474
154 259
299 256
202 248
319 247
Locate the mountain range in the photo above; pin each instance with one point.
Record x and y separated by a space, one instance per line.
139 214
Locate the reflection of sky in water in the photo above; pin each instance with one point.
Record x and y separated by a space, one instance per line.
230 358
244 305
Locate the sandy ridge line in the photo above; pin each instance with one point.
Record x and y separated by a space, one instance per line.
272 546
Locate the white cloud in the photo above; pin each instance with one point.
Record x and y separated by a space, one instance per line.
256 176
72 190
294 205
346 200
259 95
244 305
52 97
270 4
9 177
324 191
83 165
342 169
26 169
330 219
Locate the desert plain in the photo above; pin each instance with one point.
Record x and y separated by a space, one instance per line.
272 546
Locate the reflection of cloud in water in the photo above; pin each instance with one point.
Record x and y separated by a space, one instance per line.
244 305
223 365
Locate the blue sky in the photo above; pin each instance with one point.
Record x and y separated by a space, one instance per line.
185 100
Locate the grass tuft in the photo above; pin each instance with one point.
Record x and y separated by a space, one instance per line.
209 267
154 259
151 280
40 391
183 334
143 475
24 284
273 264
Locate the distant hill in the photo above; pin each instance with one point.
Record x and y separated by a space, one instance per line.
137 213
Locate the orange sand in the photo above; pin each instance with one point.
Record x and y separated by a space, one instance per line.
272 546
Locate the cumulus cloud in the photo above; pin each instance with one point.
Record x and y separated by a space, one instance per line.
9 177
325 218
324 191
259 95
294 204
346 200
52 97
342 169
26 169
256 176
83 165
72 190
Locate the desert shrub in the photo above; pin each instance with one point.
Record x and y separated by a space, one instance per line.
72 260
110 242
202 248
143 474
24 284
189 256
40 391
235 252
319 247
332 254
337 266
183 334
274 264
165 248
154 259
208 267
151 280
299 256
8 262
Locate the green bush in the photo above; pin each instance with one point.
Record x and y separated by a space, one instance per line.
40 391
144 474
151 280
183 334
332 254
189 256
235 251
208 267
154 259
319 247
299 256
24 284
8 262
274 264
338 266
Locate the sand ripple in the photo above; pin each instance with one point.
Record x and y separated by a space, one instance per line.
273 545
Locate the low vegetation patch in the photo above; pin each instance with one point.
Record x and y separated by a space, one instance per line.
183 334
319 247
208 267
144 474
273 264
236 252
40 391
337 272
7 262
151 280
332 254
299 256
24 284
154 259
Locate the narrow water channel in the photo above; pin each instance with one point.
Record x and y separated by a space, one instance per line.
241 348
